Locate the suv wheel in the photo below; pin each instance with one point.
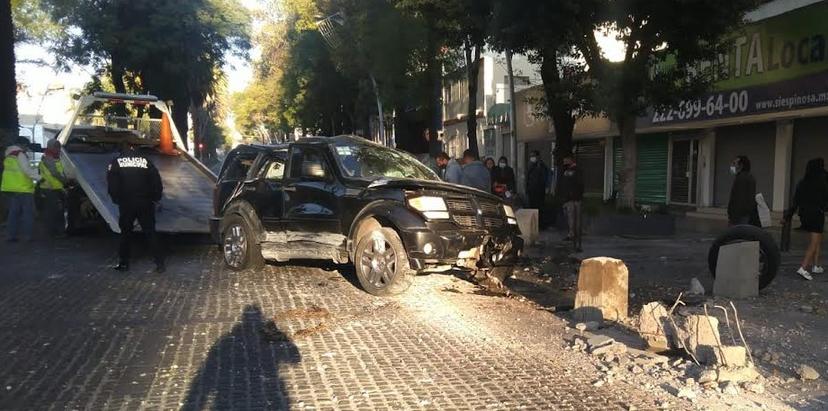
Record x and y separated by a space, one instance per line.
382 263
239 246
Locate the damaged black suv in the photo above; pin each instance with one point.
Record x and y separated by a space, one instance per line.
349 200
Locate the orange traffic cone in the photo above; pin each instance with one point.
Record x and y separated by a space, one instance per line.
166 145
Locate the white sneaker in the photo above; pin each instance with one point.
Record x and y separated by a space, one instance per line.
804 274
817 269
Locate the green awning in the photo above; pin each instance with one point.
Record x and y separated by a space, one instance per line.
498 113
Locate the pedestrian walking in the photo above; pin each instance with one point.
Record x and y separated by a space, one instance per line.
475 173
537 178
52 188
741 208
18 186
450 170
811 200
135 186
503 179
570 192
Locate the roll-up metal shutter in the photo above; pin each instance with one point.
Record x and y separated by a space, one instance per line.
651 171
590 158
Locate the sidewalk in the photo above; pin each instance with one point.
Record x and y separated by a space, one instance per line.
785 326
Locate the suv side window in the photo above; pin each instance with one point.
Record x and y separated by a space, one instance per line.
274 169
238 166
308 163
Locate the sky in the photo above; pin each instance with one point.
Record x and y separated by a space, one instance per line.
48 92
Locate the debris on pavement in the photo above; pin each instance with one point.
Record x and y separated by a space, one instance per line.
806 372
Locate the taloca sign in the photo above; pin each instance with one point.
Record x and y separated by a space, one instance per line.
776 64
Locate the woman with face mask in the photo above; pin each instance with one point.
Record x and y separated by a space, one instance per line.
741 209
503 178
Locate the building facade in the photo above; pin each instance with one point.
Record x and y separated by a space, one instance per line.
493 138
772 107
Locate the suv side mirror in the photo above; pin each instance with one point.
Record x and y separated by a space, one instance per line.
35 147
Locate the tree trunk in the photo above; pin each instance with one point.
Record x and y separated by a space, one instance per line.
472 72
562 119
8 83
180 109
629 141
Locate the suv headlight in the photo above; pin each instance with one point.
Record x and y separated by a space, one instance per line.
510 214
433 208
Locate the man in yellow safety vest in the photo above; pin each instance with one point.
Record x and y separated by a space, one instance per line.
52 188
18 185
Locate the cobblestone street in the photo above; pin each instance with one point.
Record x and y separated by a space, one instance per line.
77 335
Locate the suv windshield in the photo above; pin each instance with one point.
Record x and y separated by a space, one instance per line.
368 161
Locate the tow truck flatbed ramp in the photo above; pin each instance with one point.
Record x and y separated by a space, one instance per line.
91 140
188 194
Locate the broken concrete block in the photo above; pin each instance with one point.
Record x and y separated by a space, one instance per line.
696 330
737 270
728 355
654 327
807 372
737 374
599 341
527 219
696 287
603 290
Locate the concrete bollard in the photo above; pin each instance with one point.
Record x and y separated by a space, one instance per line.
527 219
603 290
737 270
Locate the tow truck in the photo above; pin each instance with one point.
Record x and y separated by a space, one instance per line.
101 124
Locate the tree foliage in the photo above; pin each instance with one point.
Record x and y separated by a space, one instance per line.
173 49
663 43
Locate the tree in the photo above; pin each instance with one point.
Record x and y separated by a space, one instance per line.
664 40
8 85
460 25
548 31
172 49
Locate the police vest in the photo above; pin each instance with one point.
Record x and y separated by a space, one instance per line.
14 179
51 182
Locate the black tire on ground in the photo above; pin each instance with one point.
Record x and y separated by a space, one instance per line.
239 246
382 271
768 250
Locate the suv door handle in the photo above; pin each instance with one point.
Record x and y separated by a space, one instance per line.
291 189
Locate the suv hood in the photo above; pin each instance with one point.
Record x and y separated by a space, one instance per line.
412 184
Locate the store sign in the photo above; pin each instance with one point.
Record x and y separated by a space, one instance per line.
776 64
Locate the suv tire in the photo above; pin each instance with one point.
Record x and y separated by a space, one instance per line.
768 250
382 264
239 247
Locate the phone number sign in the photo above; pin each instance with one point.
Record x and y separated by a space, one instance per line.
805 92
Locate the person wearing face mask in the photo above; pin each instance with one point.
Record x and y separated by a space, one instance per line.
741 208
503 178
537 177
570 192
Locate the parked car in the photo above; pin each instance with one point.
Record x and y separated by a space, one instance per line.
346 199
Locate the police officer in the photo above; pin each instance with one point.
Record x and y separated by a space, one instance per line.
135 186
52 187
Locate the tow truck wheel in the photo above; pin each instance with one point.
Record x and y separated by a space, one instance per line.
382 263
239 246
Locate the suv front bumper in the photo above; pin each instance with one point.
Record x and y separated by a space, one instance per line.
446 245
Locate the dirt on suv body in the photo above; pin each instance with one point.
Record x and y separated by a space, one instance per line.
346 199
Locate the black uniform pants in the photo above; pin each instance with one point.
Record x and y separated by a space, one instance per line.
145 214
